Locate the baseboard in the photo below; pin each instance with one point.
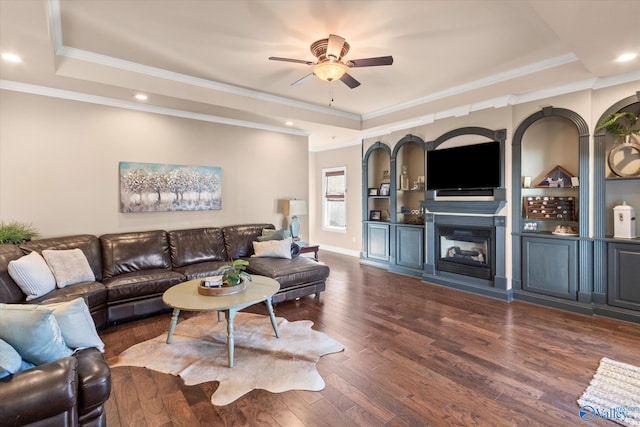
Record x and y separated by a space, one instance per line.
338 250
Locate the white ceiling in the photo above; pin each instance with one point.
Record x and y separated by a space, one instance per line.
209 58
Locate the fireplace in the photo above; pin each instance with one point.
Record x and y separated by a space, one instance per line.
465 250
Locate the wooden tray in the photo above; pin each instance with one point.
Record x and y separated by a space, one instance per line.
223 290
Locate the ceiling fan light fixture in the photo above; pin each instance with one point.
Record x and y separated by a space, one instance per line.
329 70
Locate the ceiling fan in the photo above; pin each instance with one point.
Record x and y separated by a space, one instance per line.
330 64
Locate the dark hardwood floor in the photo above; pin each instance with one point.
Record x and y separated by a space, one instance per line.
415 354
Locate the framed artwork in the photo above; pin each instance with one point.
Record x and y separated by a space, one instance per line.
153 187
384 189
373 191
531 226
375 215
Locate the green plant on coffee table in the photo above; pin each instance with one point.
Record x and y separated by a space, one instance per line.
232 273
16 232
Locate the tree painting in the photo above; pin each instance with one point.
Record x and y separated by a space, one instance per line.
151 187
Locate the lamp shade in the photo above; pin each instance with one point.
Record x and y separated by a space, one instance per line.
294 207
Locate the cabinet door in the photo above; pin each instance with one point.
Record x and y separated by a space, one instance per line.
624 275
549 266
409 246
378 241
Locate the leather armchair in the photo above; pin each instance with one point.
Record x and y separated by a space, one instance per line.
68 392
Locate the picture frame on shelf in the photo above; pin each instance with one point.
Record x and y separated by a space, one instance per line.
530 226
385 189
373 192
526 182
375 215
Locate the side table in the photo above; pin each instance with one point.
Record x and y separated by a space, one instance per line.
308 248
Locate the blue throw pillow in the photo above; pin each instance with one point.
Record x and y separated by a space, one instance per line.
10 360
33 332
268 234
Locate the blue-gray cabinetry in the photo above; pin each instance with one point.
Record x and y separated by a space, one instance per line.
378 241
410 246
624 275
549 266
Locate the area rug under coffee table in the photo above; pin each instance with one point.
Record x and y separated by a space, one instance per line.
198 354
613 394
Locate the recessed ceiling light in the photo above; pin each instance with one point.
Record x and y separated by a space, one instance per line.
11 57
288 123
141 97
627 57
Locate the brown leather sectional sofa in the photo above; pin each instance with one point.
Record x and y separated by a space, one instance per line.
132 271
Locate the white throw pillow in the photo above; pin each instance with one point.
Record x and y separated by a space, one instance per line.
33 332
76 324
32 275
69 266
273 248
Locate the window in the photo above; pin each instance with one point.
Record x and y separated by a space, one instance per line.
334 201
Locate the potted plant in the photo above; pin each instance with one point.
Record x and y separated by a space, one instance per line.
16 232
621 124
233 273
227 281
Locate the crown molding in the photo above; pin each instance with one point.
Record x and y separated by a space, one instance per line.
111 102
55 23
477 84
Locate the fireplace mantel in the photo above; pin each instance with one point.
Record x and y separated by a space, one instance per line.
466 203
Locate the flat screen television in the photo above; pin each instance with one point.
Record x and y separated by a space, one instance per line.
469 167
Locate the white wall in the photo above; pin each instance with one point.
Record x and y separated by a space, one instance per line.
59 166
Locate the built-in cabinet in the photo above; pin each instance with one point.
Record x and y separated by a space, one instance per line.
393 197
376 212
550 266
555 200
616 290
624 275
550 188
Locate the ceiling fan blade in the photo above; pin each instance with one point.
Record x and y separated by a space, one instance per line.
299 61
334 46
372 62
349 81
302 80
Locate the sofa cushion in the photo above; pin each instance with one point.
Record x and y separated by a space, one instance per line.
140 284
130 252
10 292
289 272
32 275
273 248
87 243
76 324
238 239
93 293
196 246
201 269
69 266
33 332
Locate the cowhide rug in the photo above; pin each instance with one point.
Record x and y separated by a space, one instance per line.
198 353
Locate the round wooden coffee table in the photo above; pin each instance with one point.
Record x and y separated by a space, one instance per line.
185 296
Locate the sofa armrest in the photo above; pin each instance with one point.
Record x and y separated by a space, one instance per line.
94 377
40 393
